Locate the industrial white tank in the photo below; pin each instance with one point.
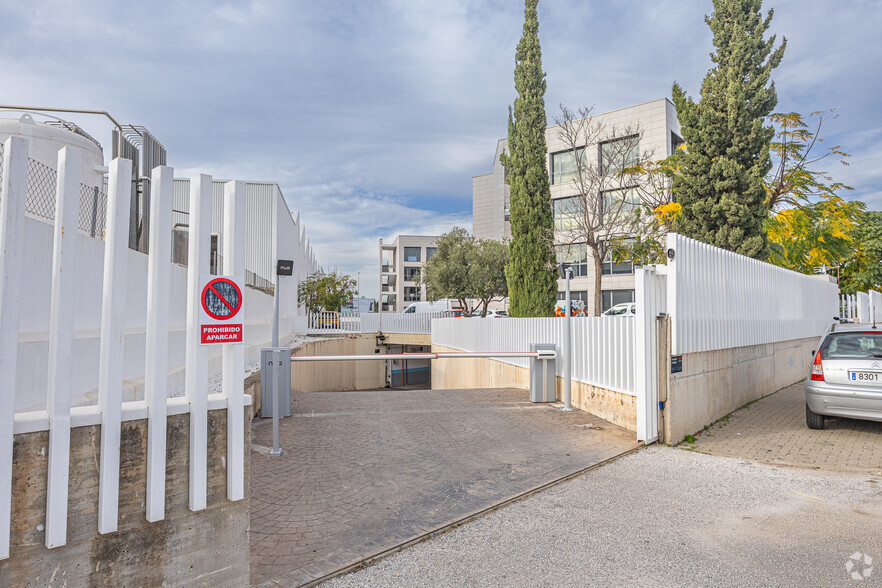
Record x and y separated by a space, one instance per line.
47 138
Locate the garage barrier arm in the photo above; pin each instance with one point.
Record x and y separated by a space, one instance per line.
543 355
540 354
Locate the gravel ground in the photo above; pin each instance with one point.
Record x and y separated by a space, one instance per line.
662 517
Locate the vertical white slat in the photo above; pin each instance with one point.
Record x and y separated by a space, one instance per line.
234 355
61 324
113 335
197 357
156 374
12 227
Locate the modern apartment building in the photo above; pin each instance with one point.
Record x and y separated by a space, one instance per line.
659 133
400 264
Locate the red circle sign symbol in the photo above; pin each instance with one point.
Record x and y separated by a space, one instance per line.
221 299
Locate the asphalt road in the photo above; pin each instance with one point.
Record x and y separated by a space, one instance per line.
662 517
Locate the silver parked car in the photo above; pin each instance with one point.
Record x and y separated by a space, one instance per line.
846 376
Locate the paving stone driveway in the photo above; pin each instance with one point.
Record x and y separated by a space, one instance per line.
365 471
773 430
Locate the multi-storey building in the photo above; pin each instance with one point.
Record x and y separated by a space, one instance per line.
400 264
659 134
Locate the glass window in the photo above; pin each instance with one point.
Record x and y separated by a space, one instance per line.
574 256
565 212
618 154
430 252
609 298
411 254
575 295
623 200
613 268
564 165
411 294
847 345
676 141
410 273
506 205
385 280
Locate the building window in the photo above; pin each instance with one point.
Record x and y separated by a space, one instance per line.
676 141
430 252
609 298
574 256
565 164
411 294
411 273
619 154
385 280
411 254
623 200
566 213
575 295
613 268
506 205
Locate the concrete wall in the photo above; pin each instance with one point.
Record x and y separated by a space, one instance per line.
321 376
714 383
206 548
620 409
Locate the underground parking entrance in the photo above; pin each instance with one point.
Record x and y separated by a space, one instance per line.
363 473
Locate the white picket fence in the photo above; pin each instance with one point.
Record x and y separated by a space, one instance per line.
603 347
331 323
863 307
59 417
719 300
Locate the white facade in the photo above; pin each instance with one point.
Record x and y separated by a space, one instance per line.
400 263
657 123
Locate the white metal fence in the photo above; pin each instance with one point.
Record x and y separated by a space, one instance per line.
863 307
603 347
719 300
330 323
111 411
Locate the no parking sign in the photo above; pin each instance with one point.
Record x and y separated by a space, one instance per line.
221 314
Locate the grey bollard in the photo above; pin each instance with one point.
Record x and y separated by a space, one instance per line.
266 383
542 379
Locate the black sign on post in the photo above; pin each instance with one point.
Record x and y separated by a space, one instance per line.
285 267
676 364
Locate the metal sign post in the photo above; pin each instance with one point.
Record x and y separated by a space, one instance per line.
284 267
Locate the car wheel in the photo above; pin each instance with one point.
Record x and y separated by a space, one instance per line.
814 421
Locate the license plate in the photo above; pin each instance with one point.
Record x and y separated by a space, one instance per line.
865 377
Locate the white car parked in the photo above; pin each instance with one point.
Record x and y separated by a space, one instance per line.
623 309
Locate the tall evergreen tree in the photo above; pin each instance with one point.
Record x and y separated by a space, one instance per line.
720 184
531 273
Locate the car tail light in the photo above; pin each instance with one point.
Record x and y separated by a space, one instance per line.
818 368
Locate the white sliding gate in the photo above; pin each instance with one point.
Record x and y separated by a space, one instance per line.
59 417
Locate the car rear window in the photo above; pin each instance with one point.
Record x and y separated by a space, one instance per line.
852 346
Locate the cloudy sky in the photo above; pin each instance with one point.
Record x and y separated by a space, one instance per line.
373 116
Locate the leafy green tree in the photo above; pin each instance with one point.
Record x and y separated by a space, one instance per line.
720 180
487 272
466 269
326 291
863 271
446 274
796 181
823 233
531 274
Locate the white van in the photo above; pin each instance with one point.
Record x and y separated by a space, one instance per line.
427 307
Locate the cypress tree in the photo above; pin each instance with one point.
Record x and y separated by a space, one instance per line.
530 273
720 184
